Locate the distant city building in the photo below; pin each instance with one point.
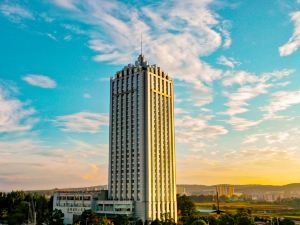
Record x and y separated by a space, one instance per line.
225 190
142 149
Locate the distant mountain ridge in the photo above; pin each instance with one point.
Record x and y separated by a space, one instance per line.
246 189
194 189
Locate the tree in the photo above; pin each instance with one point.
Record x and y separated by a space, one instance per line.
169 222
185 205
139 222
212 220
243 217
104 221
287 221
88 217
121 220
57 217
199 222
156 222
19 214
226 220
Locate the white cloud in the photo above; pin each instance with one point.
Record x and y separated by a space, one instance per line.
40 81
14 114
196 130
251 86
280 101
15 12
51 36
237 103
82 122
227 61
269 138
87 95
67 4
276 75
224 28
242 77
193 30
294 42
238 77
241 124
180 111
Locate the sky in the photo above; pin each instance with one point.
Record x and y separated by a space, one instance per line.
235 65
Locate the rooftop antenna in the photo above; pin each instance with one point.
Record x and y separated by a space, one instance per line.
141 43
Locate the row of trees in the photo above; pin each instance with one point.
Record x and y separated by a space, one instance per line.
18 208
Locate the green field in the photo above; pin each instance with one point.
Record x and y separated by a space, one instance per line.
263 209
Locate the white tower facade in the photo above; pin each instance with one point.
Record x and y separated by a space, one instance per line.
142 160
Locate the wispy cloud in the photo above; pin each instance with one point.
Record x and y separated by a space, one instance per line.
294 42
82 122
67 4
15 12
280 101
197 130
250 86
227 61
180 34
269 138
238 77
87 95
15 115
40 81
241 124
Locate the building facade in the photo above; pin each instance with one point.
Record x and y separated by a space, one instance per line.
142 148
72 204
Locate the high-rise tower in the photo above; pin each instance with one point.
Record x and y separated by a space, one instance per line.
142 147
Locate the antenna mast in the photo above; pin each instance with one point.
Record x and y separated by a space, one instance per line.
141 43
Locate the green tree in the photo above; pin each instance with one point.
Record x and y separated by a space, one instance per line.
156 222
212 220
185 205
121 220
56 218
199 222
168 222
19 214
243 217
88 217
226 219
287 221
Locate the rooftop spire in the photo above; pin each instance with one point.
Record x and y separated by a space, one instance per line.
141 43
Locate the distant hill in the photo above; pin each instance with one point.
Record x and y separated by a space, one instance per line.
245 189
79 189
194 189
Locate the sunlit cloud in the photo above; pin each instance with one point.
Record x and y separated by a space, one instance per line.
294 42
82 122
281 101
28 161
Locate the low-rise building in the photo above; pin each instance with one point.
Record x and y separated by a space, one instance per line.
72 204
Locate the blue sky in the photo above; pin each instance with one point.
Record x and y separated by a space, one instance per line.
236 66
